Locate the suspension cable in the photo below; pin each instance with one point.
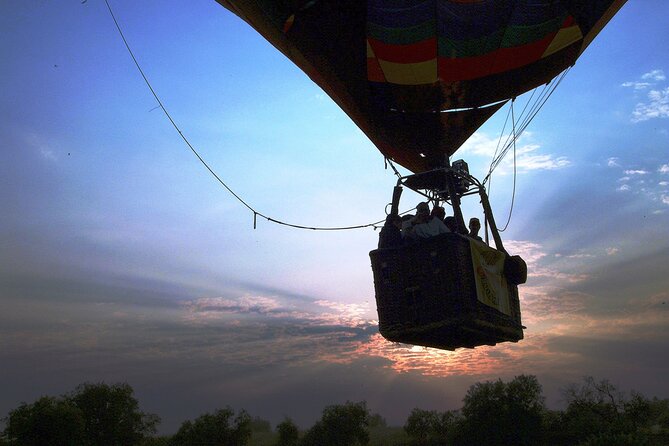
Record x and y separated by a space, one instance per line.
497 158
538 104
513 194
211 171
499 141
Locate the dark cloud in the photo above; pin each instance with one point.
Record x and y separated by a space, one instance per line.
101 290
629 361
622 350
630 278
185 356
151 334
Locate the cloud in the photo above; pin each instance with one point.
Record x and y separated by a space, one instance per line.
527 158
657 103
556 274
534 254
550 303
612 251
581 256
350 315
261 345
637 85
612 162
655 75
531 252
657 106
48 154
480 144
209 307
216 309
648 79
665 199
653 302
430 362
541 162
41 144
643 181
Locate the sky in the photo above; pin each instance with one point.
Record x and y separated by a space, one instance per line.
122 259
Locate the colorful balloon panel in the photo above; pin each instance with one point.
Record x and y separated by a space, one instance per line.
420 76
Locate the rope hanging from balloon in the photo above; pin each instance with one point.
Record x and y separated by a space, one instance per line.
517 132
497 157
525 119
256 213
513 194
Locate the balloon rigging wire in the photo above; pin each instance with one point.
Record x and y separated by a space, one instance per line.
211 171
499 141
392 165
538 104
497 158
513 195
511 139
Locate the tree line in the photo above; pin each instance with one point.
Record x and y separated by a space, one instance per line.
494 413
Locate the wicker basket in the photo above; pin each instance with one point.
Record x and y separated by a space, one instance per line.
426 295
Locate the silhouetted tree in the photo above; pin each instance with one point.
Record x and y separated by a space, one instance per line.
376 420
47 421
259 425
419 425
659 413
637 411
501 414
111 415
598 413
340 425
156 441
430 427
593 408
217 429
616 439
288 433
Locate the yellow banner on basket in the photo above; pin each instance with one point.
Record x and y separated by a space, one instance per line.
491 287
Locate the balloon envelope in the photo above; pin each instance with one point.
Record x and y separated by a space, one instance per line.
420 76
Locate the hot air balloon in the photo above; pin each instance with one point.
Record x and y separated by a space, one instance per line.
419 77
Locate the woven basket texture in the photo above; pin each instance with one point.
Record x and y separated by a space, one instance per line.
426 295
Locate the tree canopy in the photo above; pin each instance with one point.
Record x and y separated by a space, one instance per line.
221 428
92 415
288 433
431 427
48 420
340 425
498 413
111 414
493 413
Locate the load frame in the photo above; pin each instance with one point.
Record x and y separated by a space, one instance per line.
448 291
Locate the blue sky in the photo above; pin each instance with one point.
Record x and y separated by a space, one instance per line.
122 259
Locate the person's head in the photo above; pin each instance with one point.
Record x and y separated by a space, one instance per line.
395 220
450 223
474 225
438 212
422 212
406 221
